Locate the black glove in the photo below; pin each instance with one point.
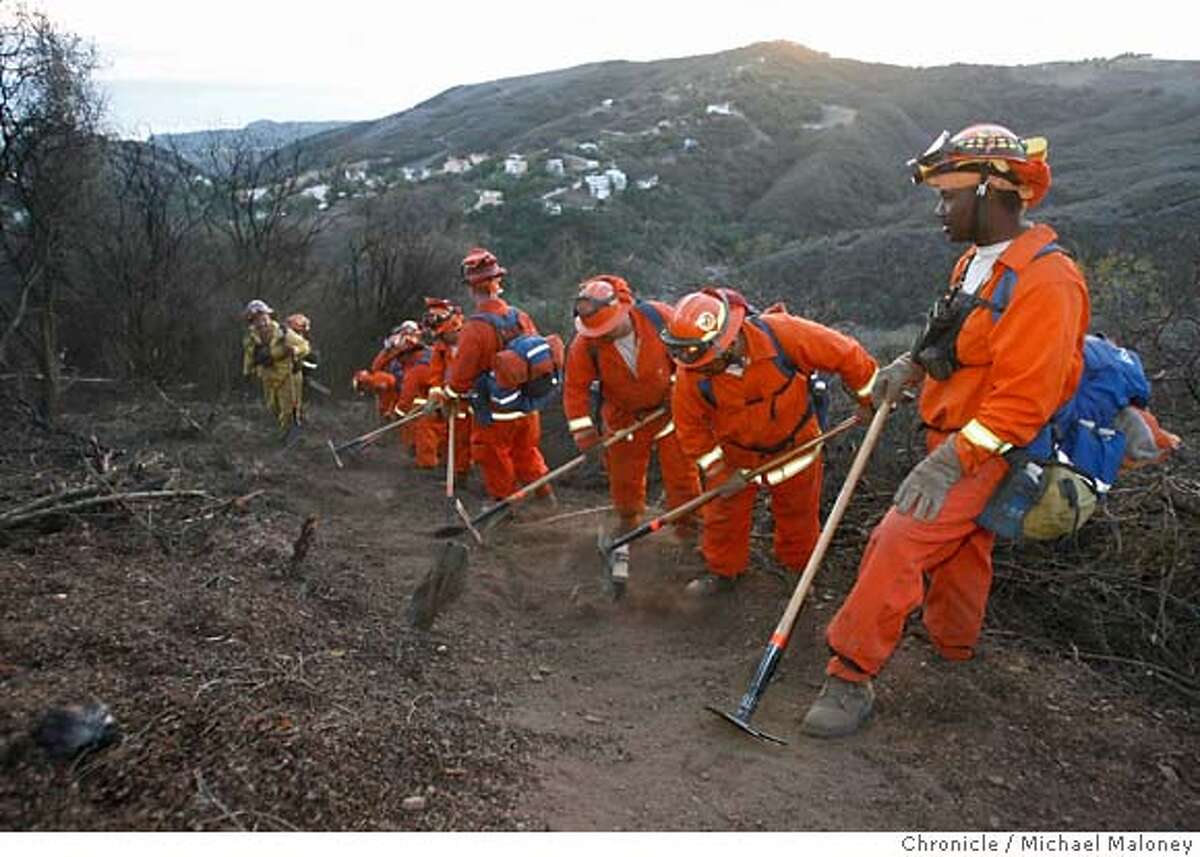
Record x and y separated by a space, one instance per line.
262 355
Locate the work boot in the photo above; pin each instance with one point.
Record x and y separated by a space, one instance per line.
841 708
709 584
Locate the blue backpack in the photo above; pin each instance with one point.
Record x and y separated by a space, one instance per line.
1080 436
526 373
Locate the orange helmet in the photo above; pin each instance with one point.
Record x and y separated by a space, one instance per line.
602 304
404 337
441 316
704 326
986 153
480 267
299 323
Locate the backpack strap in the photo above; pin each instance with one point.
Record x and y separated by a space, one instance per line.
1008 281
790 370
507 326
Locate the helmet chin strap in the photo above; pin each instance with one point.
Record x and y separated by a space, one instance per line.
979 217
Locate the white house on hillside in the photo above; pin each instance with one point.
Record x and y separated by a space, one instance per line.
599 186
555 166
617 179
515 165
722 109
488 198
456 166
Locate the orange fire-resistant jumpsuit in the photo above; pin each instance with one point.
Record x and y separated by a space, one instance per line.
443 353
506 450
627 397
1017 371
760 412
414 393
386 380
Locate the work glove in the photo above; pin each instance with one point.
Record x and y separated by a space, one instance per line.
891 380
1140 445
262 355
924 490
586 438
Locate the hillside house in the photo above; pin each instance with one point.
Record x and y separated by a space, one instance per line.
552 208
456 166
722 109
576 164
589 147
599 186
488 198
320 193
515 165
647 183
477 158
555 167
617 179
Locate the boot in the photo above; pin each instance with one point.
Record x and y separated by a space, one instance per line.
841 708
709 584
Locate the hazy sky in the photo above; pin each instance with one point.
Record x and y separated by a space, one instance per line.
221 63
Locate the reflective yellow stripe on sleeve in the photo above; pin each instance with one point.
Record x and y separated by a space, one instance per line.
863 392
579 424
710 458
983 437
787 471
666 430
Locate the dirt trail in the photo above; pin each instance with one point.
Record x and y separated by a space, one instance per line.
615 694
536 702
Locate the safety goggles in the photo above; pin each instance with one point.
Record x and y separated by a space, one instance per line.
686 351
937 153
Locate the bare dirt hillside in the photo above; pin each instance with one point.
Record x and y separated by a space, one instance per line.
257 693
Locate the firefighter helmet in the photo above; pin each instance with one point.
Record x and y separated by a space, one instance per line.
986 153
602 304
705 324
480 267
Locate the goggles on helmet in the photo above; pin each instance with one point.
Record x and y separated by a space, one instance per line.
689 350
588 305
978 145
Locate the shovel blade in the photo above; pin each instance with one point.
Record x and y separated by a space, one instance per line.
743 723
442 584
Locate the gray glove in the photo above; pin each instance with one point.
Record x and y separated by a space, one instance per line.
924 490
891 379
1139 440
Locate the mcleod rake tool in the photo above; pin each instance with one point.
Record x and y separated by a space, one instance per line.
357 443
609 548
783 631
491 514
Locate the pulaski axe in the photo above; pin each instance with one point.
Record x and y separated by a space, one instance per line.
615 551
783 631
358 443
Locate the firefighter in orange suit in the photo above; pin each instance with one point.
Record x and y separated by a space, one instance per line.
424 432
618 347
505 444
442 322
989 382
385 378
741 397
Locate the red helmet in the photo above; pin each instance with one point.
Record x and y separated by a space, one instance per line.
602 304
705 324
990 153
299 323
480 267
441 316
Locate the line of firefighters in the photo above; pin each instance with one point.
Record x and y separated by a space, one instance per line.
736 385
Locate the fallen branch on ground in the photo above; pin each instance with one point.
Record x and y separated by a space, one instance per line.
12 519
